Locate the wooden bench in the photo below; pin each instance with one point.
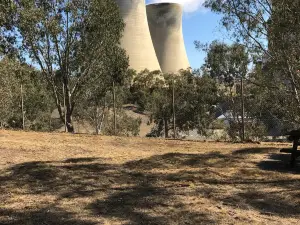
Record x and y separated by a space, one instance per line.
294 136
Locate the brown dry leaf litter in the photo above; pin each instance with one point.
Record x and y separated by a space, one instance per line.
64 179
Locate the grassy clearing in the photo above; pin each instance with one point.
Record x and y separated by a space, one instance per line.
83 180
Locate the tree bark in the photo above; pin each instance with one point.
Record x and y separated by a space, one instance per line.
22 106
65 111
101 122
166 128
115 113
68 108
173 109
103 115
69 124
160 128
243 110
97 120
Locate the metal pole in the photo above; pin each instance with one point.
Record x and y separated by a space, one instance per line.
22 108
115 113
243 109
173 103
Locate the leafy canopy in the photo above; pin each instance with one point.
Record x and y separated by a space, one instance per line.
73 42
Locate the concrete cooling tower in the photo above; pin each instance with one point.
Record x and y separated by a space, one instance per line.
165 23
136 38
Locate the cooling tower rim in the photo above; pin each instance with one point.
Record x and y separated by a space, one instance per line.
165 3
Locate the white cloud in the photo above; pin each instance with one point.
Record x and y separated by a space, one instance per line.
188 5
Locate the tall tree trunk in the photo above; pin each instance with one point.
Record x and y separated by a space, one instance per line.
173 109
115 112
22 106
103 115
65 110
50 121
69 124
97 119
160 128
243 110
68 108
67 93
101 122
166 128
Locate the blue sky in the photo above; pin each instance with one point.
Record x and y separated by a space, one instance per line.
198 24
201 26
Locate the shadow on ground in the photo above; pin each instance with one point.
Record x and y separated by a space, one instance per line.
279 162
49 215
153 190
249 151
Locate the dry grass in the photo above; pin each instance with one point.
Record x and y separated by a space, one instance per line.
83 180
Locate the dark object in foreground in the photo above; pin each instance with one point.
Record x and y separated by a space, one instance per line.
294 136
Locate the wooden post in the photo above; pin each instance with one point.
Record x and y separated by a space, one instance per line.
22 108
243 109
114 105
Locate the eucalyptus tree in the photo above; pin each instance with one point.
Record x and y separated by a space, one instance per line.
270 30
23 96
9 89
228 64
190 96
247 20
71 42
7 38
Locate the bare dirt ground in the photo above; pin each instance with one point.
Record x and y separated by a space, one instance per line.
65 179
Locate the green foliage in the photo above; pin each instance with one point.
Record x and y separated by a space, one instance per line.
218 124
74 43
225 62
7 38
255 130
97 101
143 85
270 30
270 101
8 90
194 100
126 125
228 64
37 102
246 20
194 97
283 67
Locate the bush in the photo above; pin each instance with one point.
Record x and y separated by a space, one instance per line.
126 125
254 130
